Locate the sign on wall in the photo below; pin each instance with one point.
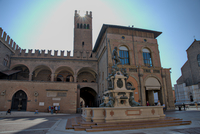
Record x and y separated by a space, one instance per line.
41 103
55 104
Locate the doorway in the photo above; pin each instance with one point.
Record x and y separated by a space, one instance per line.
19 101
89 96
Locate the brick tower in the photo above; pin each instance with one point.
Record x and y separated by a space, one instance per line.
82 32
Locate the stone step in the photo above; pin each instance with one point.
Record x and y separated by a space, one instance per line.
87 123
145 121
73 122
80 125
81 128
134 124
136 127
69 125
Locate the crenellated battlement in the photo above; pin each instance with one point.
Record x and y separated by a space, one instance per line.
8 41
78 13
47 54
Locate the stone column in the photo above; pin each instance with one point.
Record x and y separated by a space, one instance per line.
164 94
52 77
151 97
75 78
142 90
78 96
30 76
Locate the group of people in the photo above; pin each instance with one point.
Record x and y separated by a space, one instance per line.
53 109
158 104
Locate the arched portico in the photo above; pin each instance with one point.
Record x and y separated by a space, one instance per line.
42 73
153 90
89 96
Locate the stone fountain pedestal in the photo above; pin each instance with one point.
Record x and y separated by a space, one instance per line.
122 114
119 104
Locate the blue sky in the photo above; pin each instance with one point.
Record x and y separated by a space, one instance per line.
48 24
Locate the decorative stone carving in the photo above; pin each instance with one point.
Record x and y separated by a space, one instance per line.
132 102
3 93
36 94
119 83
118 95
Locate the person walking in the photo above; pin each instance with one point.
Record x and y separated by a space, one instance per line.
196 105
51 109
56 109
36 111
148 103
8 112
158 103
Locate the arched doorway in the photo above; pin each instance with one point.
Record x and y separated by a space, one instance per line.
153 93
89 96
19 101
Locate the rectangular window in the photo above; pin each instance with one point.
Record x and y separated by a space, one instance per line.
147 59
125 57
5 62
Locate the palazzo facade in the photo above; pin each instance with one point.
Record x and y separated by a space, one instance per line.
36 80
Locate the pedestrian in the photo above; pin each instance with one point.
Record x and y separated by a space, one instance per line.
56 109
196 105
36 111
164 109
51 109
8 112
158 104
148 103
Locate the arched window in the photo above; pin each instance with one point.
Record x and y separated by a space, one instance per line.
84 26
198 59
69 78
147 57
77 25
59 78
84 80
88 26
5 61
123 52
81 26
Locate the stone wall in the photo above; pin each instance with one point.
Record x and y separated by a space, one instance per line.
63 93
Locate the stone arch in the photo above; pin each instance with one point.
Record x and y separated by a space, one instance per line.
156 77
153 90
89 96
151 51
134 82
86 73
66 72
23 73
19 101
61 68
128 47
134 77
19 64
42 73
17 89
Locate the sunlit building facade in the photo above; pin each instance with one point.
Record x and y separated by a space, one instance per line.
38 79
